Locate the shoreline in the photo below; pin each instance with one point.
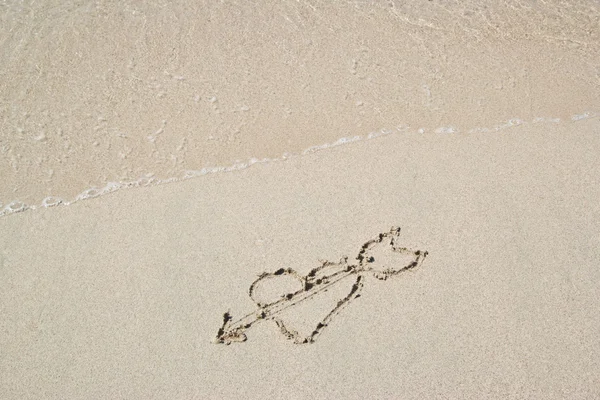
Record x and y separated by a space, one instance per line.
110 93
149 180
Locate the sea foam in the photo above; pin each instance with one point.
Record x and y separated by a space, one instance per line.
150 180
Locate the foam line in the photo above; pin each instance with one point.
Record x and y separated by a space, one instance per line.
149 180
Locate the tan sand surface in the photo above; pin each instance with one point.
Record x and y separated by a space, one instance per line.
486 156
121 296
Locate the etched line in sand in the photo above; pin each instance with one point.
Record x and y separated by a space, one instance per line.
319 280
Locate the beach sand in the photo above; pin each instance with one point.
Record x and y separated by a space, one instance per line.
122 296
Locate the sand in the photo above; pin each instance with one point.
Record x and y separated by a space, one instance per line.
122 295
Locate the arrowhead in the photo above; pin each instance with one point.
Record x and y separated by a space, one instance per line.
227 335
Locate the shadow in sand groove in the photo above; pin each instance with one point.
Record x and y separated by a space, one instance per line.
373 259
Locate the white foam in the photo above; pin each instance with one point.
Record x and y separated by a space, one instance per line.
509 124
339 142
382 132
585 115
446 129
150 180
15 207
51 201
542 119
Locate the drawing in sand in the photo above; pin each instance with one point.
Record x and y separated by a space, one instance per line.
381 257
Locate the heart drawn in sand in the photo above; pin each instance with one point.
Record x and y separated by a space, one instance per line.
281 294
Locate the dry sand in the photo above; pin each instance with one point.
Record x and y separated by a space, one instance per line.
121 296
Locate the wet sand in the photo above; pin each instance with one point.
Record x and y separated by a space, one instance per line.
98 93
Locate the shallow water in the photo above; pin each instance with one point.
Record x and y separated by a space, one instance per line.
97 93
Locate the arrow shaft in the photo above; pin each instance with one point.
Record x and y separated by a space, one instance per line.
236 329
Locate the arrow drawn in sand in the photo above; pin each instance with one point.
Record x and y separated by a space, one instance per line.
381 257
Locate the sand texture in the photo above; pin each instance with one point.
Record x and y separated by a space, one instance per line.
98 92
447 247
122 296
